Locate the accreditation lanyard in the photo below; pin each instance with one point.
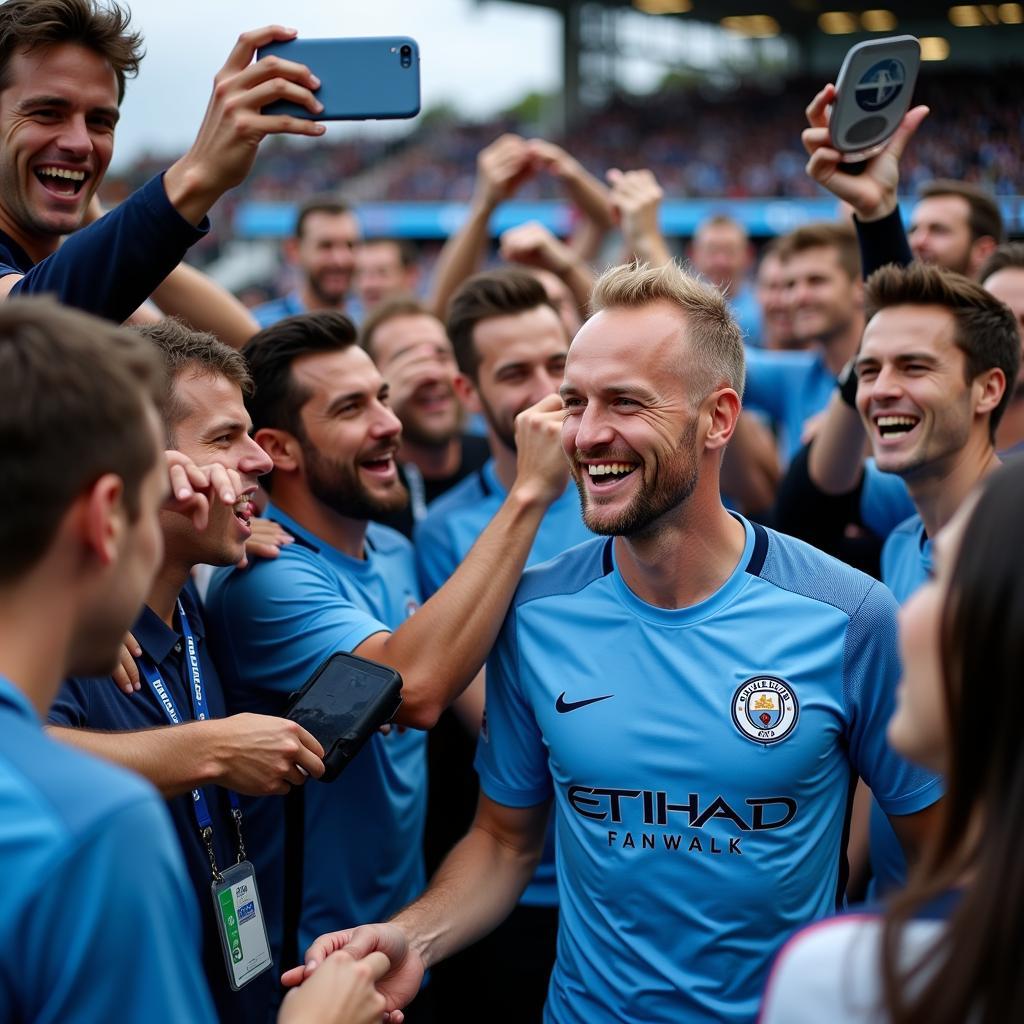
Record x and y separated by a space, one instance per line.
201 711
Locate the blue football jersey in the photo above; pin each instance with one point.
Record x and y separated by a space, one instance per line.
271 626
701 763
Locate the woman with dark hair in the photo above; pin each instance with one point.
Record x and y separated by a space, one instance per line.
949 949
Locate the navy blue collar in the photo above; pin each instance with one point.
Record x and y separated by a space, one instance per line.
156 638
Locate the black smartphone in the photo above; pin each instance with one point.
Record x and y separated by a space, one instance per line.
873 92
361 79
343 703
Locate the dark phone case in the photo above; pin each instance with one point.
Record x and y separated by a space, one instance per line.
372 693
360 79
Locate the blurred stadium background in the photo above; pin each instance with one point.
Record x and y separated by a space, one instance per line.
718 121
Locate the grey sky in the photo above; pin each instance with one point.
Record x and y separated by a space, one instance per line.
478 55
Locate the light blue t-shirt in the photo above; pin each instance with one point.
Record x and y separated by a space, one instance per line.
269 313
98 922
790 387
443 540
701 762
885 501
271 627
745 308
906 564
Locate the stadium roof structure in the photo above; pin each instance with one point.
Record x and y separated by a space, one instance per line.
761 18
815 33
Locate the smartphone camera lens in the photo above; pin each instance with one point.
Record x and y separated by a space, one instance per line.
406 54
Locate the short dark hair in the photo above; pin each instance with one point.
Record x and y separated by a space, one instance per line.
102 27
403 305
74 394
983 218
1003 257
277 400
408 253
986 330
824 235
493 293
185 349
331 205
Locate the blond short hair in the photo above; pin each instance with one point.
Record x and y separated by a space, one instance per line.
715 355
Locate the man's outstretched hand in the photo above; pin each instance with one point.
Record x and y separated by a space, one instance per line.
872 194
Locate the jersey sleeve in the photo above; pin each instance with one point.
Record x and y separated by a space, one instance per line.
870 672
511 758
884 500
278 621
436 557
112 932
112 266
766 384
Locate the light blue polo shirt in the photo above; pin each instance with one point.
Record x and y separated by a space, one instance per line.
98 922
271 626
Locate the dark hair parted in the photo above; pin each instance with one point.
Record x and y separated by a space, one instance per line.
983 218
972 972
277 399
74 395
825 235
986 330
391 309
1009 255
100 27
493 293
334 206
185 350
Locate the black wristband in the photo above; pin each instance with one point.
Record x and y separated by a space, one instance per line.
847 381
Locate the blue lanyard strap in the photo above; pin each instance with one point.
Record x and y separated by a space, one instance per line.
201 712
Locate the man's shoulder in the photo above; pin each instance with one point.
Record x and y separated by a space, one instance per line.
910 528
387 541
66 792
568 573
796 567
13 259
269 313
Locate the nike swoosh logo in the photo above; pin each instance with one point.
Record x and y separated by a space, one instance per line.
562 706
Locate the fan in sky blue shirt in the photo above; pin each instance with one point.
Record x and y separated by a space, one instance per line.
790 388
97 920
272 625
443 539
701 762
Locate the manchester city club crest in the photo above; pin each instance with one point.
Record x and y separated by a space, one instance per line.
765 709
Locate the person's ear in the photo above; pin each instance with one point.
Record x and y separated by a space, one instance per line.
282 447
467 394
721 413
102 518
989 388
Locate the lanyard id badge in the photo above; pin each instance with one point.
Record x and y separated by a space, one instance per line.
236 900
240 924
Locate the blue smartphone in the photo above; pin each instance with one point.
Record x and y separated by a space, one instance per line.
361 79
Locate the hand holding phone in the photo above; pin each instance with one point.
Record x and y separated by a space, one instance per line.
361 79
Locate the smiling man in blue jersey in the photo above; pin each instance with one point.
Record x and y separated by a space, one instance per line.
936 371
510 344
694 692
321 411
